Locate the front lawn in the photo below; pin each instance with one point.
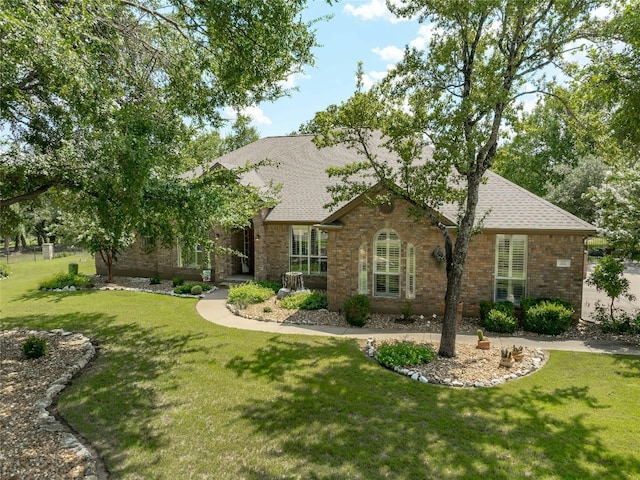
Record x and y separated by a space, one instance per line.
171 396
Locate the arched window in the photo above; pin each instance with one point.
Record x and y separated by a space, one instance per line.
411 272
386 264
363 287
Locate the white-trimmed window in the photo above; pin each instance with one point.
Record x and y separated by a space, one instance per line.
193 257
511 268
411 272
308 250
386 264
363 286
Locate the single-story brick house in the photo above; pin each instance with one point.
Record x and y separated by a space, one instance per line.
527 245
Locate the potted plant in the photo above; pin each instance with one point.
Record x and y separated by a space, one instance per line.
517 353
506 359
483 342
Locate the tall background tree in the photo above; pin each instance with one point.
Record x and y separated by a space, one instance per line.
455 96
98 98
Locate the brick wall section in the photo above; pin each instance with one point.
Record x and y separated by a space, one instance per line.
546 278
137 262
361 224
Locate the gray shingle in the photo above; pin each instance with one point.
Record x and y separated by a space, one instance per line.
300 167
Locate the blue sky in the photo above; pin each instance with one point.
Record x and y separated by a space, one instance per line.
360 30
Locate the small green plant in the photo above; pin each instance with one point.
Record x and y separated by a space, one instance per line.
608 276
550 318
155 281
4 270
186 288
62 280
305 301
480 334
177 281
196 290
267 309
501 322
400 354
623 323
356 310
517 349
275 286
34 347
247 294
406 311
505 353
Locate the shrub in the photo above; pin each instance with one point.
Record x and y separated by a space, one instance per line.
622 323
486 307
247 294
177 281
4 270
356 310
548 317
400 354
526 303
34 347
62 280
305 301
196 290
186 288
501 322
275 286
267 309
155 281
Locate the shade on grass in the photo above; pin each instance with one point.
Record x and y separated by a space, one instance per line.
171 396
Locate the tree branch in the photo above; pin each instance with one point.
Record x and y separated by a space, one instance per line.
24 197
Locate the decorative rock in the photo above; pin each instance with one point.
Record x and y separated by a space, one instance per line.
457 383
284 292
72 288
415 376
423 379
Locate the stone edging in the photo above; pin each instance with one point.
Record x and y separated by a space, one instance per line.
46 421
538 361
129 289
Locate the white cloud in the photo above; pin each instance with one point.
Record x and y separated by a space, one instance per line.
389 53
373 10
254 112
425 35
373 77
293 79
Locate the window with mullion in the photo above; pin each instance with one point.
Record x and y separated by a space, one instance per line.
511 268
308 250
386 261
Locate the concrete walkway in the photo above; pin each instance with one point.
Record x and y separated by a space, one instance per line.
212 308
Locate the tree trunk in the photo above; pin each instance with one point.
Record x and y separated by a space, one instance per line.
456 259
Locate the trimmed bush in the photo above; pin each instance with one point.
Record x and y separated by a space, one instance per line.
247 294
401 354
356 310
501 322
196 290
187 288
177 281
486 306
526 303
275 286
34 347
62 280
305 301
155 281
548 317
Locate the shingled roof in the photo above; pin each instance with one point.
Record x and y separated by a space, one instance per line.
300 168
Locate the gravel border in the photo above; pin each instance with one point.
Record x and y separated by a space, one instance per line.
35 444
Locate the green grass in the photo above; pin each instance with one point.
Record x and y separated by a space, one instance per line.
171 396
